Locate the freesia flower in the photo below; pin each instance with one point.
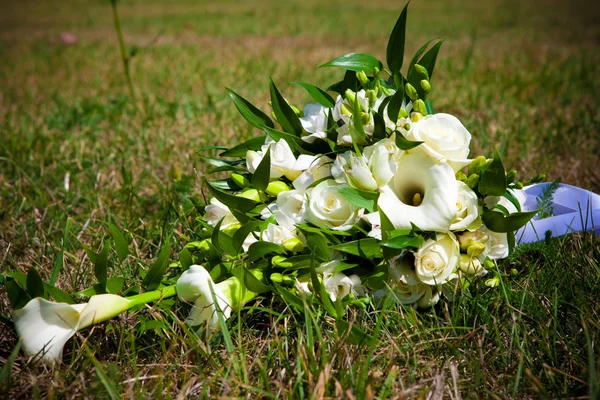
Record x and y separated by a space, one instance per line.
45 326
354 171
282 159
314 169
196 285
422 192
289 209
314 122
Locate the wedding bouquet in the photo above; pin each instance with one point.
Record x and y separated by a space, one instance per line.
362 197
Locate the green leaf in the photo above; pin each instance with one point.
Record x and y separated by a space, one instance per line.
120 243
405 144
404 241
154 276
356 62
493 178
113 285
395 103
321 292
242 233
290 298
395 46
262 175
239 203
360 198
253 284
101 266
16 294
366 248
321 96
58 264
379 126
286 116
277 135
35 284
185 258
260 249
241 149
415 58
7 368
358 126
215 237
429 107
498 222
356 335
318 246
350 81
249 112
59 295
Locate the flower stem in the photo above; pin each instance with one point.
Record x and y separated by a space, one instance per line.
155 295
124 56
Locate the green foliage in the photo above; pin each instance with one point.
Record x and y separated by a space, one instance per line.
355 62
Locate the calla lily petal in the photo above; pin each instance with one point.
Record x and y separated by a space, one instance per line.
420 178
45 327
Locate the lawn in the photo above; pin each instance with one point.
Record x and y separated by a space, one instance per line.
77 150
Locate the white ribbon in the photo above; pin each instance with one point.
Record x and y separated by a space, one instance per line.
573 210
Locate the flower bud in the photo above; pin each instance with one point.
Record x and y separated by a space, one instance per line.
372 96
231 229
376 71
365 118
475 164
253 194
472 181
346 110
411 91
419 106
514 272
406 127
470 265
298 112
276 187
475 249
421 70
519 185
281 261
492 282
402 113
426 86
351 99
466 239
510 176
460 176
363 79
488 264
276 277
416 116
293 244
240 180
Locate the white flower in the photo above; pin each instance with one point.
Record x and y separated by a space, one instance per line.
194 285
282 159
215 211
354 171
403 293
277 234
327 208
382 158
347 130
422 192
314 122
429 299
436 261
445 139
467 209
339 285
375 220
496 247
314 169
45 326
289 209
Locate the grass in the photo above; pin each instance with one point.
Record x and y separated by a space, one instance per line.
522 76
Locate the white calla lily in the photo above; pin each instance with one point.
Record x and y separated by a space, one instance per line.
422 192
46 326
196 285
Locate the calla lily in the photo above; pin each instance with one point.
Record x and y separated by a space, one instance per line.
45 326
423 192
196 285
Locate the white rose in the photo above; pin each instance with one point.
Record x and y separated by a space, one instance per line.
282 159
339 285
314 122
314 169
327 208
422 192
467 209
496 247
289 209
215 211
445 139
276 234
437 260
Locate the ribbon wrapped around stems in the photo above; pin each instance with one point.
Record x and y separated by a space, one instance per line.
574 210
